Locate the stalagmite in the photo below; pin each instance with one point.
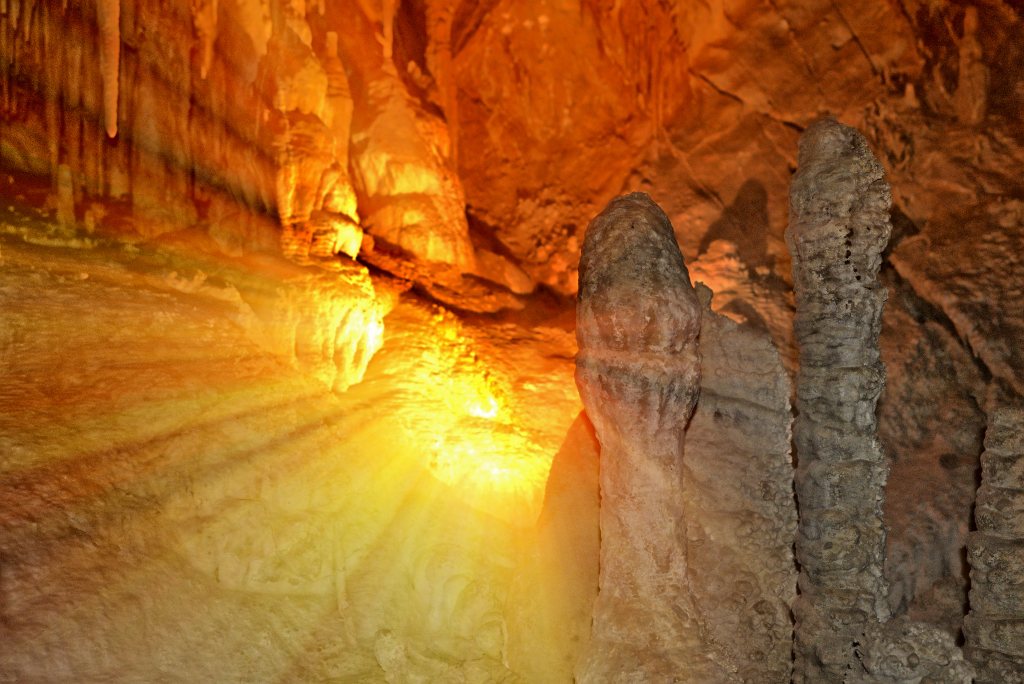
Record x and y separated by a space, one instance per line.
839 225
638 372
995 626
108 14
738 492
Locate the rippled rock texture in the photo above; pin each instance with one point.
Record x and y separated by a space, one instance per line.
638 371
697 575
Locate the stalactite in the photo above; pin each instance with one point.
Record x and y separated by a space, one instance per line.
204 18
439 61
995 626
108 15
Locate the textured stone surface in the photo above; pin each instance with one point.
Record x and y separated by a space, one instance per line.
838 227
638 371
739 511
549 108
995 626
933 448
968 264
906 652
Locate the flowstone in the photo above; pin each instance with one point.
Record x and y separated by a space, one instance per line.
995 626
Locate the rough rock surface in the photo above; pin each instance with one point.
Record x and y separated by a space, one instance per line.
978 284
995 626
933 448
838 227
741 574
740 515
902 651
638 371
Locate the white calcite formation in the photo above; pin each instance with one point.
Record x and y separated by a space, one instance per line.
638 372
995 626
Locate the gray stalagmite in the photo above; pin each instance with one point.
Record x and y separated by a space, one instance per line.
995 626
638 373
738 489
838 227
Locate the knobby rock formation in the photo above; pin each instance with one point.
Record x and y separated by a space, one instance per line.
638 372
995 626
839 225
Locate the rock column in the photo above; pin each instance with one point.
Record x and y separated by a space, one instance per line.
638 373
839 224
995 626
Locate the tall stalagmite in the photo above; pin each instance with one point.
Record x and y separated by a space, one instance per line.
638 372
839 225
995 626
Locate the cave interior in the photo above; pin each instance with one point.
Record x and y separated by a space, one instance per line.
303 377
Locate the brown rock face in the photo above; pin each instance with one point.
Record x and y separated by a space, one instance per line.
995 626
638 372
838 228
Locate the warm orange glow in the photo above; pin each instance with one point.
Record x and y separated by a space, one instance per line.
466 418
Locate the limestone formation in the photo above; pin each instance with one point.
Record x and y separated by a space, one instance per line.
995 626
839 225
638 372
838 228
738 492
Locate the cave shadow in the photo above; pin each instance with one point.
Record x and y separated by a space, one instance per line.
745 224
